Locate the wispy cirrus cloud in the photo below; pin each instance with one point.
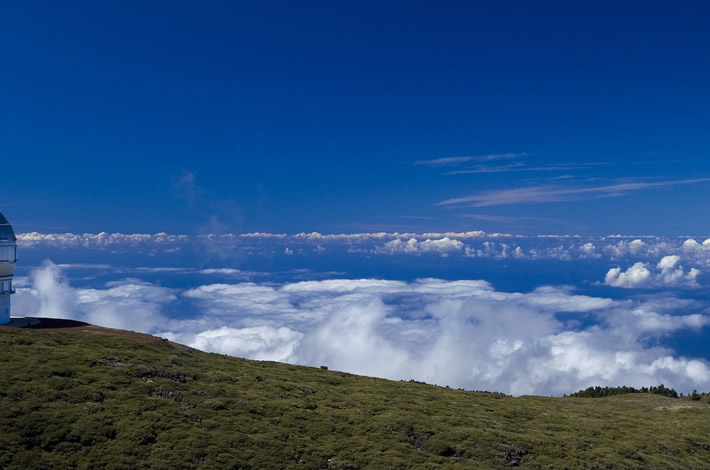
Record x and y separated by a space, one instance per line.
521 167
551 193
478 169
476 158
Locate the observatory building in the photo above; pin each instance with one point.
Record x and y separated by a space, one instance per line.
8 258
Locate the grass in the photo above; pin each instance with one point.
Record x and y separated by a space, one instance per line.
95 402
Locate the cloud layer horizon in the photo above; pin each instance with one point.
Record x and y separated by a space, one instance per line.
461 333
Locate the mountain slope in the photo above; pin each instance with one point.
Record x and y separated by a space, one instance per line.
102 401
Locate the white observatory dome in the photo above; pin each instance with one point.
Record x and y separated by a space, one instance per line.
8 258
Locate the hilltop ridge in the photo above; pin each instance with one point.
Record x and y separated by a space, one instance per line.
114 401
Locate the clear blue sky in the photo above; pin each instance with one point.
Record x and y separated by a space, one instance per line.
190 117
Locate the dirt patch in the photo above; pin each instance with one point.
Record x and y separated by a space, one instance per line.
417 439
515 454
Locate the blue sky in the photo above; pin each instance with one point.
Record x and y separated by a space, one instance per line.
508 196
242 117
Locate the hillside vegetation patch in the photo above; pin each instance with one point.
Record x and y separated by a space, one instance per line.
72 401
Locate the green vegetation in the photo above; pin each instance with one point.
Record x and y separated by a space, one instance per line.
92 402
598 392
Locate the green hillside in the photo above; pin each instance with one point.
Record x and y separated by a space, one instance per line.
85 401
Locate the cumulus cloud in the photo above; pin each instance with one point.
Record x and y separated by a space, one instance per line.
636 276
459 333
624 248
668 273
673 274
588 250
692 245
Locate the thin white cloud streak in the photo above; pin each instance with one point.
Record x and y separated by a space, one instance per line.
85 266
223 271
458 333
479 158
519 167
481 169
548 193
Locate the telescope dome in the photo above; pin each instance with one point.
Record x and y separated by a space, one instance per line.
7 234
8 259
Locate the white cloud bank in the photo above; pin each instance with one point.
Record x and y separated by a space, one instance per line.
443 246
460 333
460 245
99 240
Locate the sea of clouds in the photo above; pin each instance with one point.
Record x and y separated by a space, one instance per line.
462 333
